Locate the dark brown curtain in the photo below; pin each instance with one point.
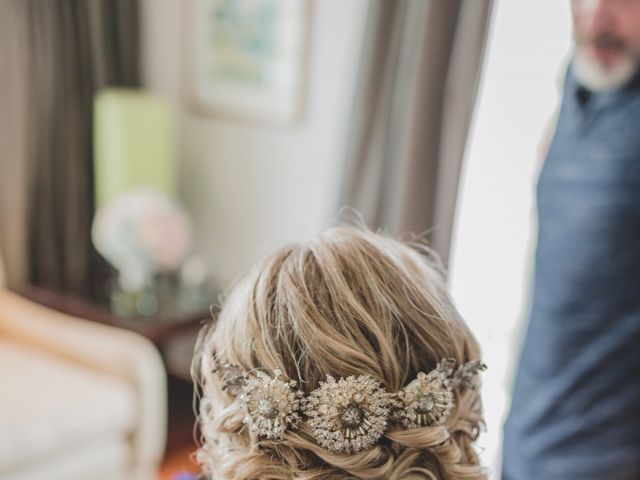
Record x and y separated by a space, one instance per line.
54 56
416 91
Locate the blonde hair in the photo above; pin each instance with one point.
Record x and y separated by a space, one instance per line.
347 302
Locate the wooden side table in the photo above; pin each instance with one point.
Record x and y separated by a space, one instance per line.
174 336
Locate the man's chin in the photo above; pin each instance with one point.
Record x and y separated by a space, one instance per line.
599 78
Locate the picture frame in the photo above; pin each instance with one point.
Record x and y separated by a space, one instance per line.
247 59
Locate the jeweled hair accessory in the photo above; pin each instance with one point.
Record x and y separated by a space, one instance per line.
350 414
271 405
427 400
233 377
464 374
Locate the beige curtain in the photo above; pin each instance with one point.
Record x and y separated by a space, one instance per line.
416 92
13 97
54 55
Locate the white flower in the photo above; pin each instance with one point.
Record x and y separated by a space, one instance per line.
145 227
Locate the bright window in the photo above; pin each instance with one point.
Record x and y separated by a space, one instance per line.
494 236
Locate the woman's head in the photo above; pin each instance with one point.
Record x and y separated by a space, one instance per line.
347 302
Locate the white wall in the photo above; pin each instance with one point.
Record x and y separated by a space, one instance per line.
494 236
251 188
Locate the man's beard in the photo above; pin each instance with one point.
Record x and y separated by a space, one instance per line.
596 77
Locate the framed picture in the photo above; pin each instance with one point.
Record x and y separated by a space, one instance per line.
247 59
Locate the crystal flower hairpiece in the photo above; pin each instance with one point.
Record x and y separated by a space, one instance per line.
271 405
350 414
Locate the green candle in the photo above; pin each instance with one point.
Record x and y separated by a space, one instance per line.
134 143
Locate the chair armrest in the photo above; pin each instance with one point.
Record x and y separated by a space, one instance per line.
103 348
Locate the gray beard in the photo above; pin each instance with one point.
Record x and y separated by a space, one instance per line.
593 76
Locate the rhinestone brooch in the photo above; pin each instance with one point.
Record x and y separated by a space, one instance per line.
348 415
427 400
271 405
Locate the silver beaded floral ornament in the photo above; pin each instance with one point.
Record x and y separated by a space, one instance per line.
427 400
465 373
233 377
271 405
348 415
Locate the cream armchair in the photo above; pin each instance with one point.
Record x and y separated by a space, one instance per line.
78 400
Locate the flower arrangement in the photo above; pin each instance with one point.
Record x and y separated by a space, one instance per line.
141 233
